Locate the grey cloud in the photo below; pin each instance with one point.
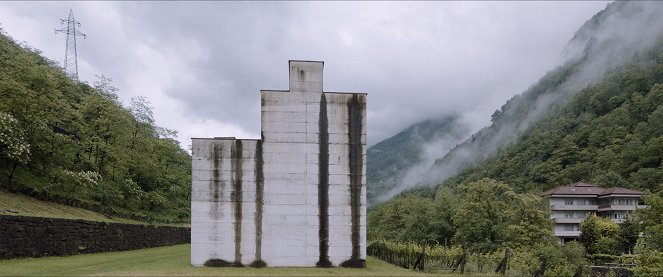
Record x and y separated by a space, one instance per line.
416 60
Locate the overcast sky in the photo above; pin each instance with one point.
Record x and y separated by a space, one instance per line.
202 64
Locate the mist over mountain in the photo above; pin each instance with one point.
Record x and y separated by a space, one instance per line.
607 42
395 161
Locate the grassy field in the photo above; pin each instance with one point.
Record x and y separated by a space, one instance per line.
17 204
172 260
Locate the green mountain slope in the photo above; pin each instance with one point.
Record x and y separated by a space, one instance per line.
68 142
597 118
605 44
393 161
611 57
610 133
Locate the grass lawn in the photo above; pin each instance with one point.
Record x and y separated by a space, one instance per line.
17 204
174 260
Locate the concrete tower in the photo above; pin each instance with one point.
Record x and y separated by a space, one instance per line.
295 197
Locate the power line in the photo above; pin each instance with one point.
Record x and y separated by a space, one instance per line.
70 55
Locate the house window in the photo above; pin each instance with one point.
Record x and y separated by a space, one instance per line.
568 227
618 216
568 214
568 202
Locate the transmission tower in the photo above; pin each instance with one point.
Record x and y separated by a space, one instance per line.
70 56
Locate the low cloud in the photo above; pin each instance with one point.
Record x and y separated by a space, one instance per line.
202 64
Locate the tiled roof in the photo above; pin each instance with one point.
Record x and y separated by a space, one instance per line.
620 190
589 189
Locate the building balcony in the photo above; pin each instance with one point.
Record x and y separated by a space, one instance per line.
567 234
573 207
568 220
608 207
618 220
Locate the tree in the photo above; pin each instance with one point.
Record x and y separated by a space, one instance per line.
549 259
490 213
629 232
652 221
404 219
104 86
599 235
589 233
444 207
649 262
13 145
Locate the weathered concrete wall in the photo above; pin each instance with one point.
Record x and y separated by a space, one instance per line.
303 186
226 183
23 236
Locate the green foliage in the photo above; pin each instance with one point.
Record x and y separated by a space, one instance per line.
589 233
410 218
76 143
609 133
560 260
599 235
629 232
484 215
607 245
490 212
12 140
574 253
651 219
406 254
649 262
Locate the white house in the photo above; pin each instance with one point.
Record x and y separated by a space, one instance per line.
569 205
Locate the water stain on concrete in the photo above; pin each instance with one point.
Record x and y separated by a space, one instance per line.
236 197
260 182
216 186
323 184
356 162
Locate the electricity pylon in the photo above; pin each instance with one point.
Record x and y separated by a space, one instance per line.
70 55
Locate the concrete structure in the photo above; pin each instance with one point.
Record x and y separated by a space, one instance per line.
295 197
569 205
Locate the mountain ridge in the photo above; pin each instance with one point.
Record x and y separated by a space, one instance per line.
392 160
600 47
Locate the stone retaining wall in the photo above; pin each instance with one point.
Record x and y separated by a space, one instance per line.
22 236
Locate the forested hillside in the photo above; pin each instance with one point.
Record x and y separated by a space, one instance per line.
70 142
610 133
621 36
597 118
412 151
612 54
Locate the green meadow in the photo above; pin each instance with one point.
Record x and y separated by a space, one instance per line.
172 261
